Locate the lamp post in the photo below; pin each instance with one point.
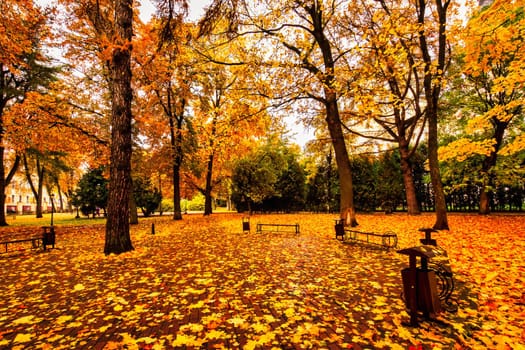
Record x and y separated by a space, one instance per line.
51 196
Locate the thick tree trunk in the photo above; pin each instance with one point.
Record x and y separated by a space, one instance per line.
208 209
117 226
484 202
408 180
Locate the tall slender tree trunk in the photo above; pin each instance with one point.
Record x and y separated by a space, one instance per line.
408 180
333 120
118 238
3 184
347 209
440 203
176 146
177 210
488 163
208 208
133 214
432 85
38 189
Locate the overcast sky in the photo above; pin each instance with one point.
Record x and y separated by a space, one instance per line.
196 9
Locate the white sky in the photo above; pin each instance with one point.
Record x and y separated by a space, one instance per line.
196 9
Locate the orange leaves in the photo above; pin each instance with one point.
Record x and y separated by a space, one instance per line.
201 282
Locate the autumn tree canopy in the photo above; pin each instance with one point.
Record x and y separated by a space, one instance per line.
204 95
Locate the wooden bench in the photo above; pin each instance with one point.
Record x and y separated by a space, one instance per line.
277 227
386 240
38 239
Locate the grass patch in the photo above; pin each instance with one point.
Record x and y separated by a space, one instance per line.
58 219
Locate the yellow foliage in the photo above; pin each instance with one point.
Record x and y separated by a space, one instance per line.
187 340
464 148
78 287
517 145
23 338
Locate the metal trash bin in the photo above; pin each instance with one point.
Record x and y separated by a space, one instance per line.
340 229
420 283
245 224
48 236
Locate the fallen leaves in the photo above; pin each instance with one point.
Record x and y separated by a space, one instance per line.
203 283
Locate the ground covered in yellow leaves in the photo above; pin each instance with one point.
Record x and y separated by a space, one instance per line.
202 283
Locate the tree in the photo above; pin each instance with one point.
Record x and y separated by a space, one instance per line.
106 27
390 180
434 49
117 227
388 100
165 71
229 116
43 165
22 30
146 196
91 192
493 59
322 187
308 60
254 177
290 188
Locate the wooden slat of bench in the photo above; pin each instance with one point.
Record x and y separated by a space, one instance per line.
386 238
260 227
35 241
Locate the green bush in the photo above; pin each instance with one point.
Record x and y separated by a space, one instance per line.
196 203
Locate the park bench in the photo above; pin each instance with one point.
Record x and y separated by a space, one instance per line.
36 238
278 228
386 240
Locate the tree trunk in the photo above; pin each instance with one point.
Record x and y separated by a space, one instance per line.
3 183
408 180
40 190
488 163
208 209
432 85
133 215
117 226
177 210
484 202
435 175
176 146
347 210
37 191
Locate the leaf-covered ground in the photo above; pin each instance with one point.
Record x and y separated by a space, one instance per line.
202 283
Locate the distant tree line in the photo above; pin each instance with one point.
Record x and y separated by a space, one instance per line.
273 180
277 178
